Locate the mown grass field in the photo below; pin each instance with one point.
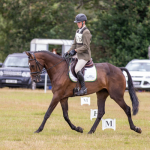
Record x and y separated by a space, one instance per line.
22 111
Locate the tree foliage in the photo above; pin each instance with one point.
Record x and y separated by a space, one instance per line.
29 19
122 32
120 29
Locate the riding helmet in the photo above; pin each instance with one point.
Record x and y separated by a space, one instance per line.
80 18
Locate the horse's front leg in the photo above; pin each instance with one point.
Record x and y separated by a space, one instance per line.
52 105
64 105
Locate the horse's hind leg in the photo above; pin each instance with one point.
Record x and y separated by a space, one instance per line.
101 98
64 105
120 101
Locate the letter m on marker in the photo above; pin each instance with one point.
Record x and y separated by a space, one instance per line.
109 124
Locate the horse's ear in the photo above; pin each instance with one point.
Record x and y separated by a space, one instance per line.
29 54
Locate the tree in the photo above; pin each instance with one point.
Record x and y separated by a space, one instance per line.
28 19
120 29
122 32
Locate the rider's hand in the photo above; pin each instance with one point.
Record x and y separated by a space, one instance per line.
72 52
65 54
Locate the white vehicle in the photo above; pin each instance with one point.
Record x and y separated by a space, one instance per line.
140 73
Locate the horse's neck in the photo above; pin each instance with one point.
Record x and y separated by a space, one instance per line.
53 65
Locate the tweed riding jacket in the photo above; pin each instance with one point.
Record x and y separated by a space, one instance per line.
82 44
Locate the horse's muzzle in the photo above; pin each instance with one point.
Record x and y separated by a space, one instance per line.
36 78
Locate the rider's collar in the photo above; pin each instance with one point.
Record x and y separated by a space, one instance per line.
81 28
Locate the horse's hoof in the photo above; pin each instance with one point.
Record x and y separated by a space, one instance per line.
37 131
138 130
90 132
79 129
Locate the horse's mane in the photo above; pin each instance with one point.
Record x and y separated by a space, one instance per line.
55 56
49 53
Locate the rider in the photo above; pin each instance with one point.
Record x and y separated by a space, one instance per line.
80 49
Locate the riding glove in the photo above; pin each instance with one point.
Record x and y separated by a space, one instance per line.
65 55
72 52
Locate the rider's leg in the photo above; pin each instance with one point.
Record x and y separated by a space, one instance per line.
80 64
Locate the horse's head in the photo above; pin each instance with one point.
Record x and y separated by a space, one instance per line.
35 67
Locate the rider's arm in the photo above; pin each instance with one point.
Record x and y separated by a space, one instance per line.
86 42
73 45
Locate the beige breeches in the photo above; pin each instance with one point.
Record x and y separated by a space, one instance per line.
80 64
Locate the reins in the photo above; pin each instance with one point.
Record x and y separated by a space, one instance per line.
38 73
54 65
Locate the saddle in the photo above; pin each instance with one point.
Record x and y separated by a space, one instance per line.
89 64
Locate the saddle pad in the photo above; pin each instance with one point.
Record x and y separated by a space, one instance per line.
90 74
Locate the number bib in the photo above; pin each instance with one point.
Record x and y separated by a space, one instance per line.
79 38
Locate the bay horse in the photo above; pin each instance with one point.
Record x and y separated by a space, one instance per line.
110 81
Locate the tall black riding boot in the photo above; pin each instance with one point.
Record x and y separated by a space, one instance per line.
83 89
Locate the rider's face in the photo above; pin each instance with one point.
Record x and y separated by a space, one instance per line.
79 24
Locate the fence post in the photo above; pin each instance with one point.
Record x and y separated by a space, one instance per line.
45 87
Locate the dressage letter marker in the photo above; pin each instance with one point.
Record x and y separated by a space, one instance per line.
108 123
85 100
93 113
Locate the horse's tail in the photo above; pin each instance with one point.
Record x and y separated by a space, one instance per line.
134 98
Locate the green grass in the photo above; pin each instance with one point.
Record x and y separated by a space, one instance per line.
22 111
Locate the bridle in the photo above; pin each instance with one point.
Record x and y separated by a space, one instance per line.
37 74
